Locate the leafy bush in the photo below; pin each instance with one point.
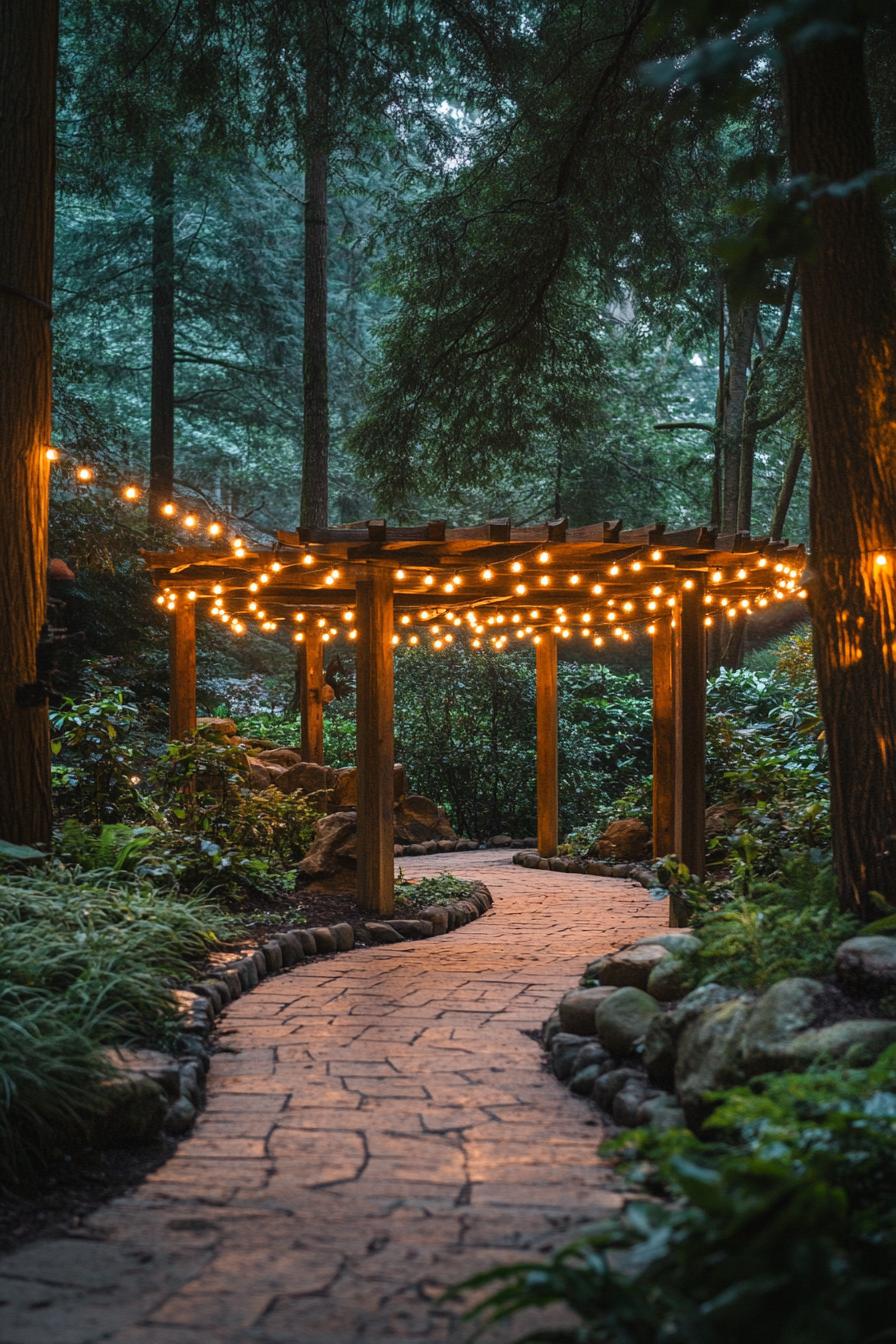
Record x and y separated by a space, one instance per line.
781 1226
756 932
285 730
84 957
94 767
465 731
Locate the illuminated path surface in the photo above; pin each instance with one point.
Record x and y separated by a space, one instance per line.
380 1127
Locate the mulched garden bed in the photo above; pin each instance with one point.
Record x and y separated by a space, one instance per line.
67 1192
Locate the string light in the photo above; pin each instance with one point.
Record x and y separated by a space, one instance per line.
190 520
656 555
215 529
84 474
488 575
51 454
400 574
516 567
131 492
544 557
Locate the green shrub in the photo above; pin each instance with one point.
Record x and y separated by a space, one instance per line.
441 890
755 932
94 768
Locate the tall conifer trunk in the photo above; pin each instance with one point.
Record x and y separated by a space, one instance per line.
161 428
316 411
849 338
28 40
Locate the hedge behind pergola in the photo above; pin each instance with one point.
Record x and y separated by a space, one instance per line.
495 584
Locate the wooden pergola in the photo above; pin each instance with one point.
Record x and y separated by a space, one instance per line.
492 585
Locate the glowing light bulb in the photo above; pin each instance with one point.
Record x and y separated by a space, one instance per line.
307 558
131 492
637 566
160 601
414 639
215 529
716 576
192 595
688 583
400 574
543 557
396 639
534 614
405 620
880 560
741 573
614 570
52 454
353 634
84 474
190 520
575 580
448 587
520 589
264 578
544 580
429 580
348 616
276 566
253 587
299 616
597 589
656 555
707 621
488 575
651 629
516 567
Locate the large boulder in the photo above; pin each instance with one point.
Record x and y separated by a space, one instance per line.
418 819
262 774
669 980
345 786
710 1056
679 941
627 838
856 1042
306 777
285 756
867 965
218 726
788 1007
577 1008
621 1021
661 1040
333 851
631 966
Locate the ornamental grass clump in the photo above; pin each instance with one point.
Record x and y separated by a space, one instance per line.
87 960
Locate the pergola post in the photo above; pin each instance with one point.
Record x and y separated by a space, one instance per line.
663 738
182 669
375 750
311 700
690 716
546 775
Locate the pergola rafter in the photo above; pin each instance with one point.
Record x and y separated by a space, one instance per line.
496 584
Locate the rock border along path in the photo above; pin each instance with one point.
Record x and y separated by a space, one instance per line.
379 1126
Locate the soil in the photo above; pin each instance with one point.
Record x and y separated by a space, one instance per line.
309 910
66 1192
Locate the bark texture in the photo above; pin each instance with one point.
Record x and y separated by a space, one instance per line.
28 38
161 426
849 337
316 409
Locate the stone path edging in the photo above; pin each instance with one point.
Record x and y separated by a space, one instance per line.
638 872
180 1082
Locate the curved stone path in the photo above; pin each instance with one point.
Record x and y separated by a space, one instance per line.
379 1126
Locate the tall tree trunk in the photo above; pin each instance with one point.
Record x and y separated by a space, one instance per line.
161 426
849 338
28 41
741 329
788 485
316 421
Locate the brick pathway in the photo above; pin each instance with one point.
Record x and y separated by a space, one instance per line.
379 1126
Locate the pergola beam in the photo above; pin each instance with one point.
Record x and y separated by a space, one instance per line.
182 671
310 674
546 745
664 738
690 717
375 749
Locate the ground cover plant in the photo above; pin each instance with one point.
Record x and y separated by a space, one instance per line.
86 961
